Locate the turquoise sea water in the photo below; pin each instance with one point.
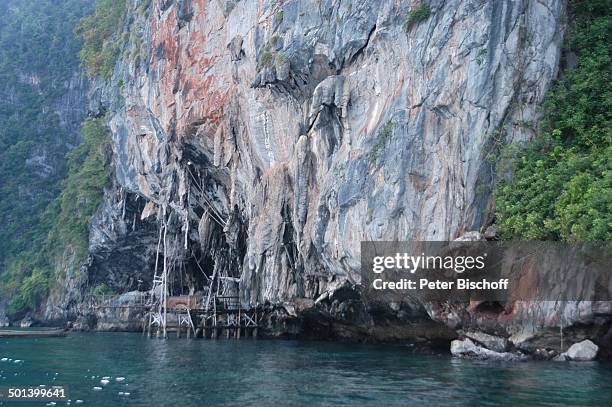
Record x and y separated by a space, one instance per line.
183 372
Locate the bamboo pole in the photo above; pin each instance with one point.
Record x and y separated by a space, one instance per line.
165 276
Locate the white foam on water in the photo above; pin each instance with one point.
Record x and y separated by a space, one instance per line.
4 359
120 378
104 382
106 377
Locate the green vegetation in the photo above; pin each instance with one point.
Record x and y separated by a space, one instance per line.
48 189
417 15
26 283
526 124
83 189
482 53
279 16
38 58
561 184
102 289
265 59
102 46
269 56
384 135
65 223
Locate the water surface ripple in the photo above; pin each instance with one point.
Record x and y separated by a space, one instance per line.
287 373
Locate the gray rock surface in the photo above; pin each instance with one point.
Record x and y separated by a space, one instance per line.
466 348
582 351
26 322
446 87
492 342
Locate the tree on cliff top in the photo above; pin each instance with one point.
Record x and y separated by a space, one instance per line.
101 46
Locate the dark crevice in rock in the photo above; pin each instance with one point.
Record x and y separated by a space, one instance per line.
361 50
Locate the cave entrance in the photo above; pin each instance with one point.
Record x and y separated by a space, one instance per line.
202 245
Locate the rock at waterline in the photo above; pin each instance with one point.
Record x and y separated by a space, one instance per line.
26 322
466 348
544 354
494 343
561 358
582 351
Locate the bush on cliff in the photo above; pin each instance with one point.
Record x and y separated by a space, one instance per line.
82 191
561 186
418 14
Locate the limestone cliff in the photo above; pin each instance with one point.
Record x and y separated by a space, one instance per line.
272 137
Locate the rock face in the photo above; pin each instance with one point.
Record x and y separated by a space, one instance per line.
297 160
272 137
